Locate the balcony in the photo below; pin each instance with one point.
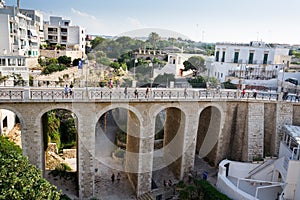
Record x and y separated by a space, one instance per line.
64 33
52 32
52 40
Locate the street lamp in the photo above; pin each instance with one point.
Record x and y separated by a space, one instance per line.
283 66
151 75
134 63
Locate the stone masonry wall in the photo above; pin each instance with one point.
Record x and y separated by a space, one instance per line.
284 115
255 130
269 129
243 125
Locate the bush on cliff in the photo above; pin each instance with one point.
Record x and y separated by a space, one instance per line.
19 179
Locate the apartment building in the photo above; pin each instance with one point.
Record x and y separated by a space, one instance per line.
256 60
61 32
19 41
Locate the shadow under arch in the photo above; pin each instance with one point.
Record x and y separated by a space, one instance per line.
167 158
117 145
209 128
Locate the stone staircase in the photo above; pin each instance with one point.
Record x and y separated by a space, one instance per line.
146 196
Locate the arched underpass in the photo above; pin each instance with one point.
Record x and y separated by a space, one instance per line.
167 158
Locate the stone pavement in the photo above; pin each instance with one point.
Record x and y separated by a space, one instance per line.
105 189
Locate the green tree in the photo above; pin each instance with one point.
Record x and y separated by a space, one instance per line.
97 41
64 60
195 63
153 38
19 179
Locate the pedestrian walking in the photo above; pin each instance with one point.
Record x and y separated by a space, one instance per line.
110 83
66 91
147 93
71 90
254 93
118 177
185 92
243 92
136 94
112 178
125 92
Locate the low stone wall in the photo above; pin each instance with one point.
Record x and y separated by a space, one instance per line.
58 53
52 147
70 153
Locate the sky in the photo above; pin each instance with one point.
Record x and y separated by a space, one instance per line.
240 21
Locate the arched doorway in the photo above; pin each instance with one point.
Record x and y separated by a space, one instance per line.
60 136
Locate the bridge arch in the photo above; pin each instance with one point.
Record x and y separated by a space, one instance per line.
72 155
17 111
168 132
209 131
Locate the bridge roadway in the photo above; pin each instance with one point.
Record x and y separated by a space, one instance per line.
115 94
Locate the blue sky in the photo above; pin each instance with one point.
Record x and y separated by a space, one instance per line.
208 20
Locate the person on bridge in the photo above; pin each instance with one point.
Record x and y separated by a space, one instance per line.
125 92
66 91
243 92
147 93
71 90
136 94
254 93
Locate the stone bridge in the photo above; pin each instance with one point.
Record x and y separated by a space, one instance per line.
212 124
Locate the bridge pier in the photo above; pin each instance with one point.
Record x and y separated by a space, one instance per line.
86 148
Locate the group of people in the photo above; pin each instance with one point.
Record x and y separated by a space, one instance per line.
68 91
113 177
169 183
136 93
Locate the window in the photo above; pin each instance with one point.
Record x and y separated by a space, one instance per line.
223 57
251 55
217 56
236 57
2 62
265 61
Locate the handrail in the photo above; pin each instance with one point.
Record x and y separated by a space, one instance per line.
190 94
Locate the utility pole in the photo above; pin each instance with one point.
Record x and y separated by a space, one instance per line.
18 5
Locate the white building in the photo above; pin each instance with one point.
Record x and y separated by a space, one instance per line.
60 32
19 42
7 121
175 65
272 179
256 60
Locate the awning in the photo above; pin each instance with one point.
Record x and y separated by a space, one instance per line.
34 33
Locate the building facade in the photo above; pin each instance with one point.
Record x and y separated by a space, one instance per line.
256 60
19 41
60 32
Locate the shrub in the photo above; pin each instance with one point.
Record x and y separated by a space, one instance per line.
19 179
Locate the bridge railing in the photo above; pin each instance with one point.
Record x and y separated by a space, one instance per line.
31 93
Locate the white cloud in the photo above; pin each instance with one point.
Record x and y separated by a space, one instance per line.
83 14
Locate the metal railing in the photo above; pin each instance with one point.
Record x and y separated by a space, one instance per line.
154 94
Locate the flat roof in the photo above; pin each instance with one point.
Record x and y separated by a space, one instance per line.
293 131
